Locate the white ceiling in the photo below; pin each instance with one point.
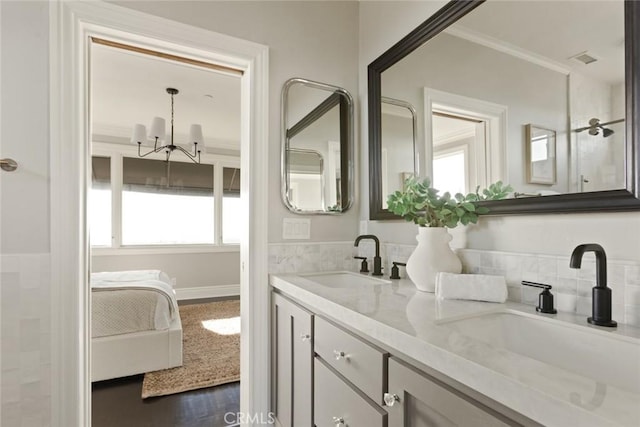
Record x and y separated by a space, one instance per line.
558 30
129 88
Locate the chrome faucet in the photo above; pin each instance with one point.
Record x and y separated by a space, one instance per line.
377 261
601 294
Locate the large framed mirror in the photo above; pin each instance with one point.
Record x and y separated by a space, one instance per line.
317 147
479 72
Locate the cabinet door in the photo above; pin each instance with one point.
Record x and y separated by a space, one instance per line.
293 363
422 401
337 403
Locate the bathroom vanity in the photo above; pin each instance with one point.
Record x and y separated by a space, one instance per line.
353 350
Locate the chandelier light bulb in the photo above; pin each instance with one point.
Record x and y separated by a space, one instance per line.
195 134
157 128
139 134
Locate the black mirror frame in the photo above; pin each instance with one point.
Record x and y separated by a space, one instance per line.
599 201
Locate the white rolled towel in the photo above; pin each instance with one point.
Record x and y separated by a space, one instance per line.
477 287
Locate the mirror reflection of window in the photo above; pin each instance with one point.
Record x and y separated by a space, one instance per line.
539 148
99 205
306 175
450 172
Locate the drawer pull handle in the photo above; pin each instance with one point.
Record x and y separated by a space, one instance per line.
340 355
390 399
305 337
338 421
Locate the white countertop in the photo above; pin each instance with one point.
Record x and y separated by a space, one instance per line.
414 324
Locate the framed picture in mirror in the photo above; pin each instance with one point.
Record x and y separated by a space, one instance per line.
540 155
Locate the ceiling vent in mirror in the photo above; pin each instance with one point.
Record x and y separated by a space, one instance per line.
585 57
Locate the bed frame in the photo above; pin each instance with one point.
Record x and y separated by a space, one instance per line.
136 353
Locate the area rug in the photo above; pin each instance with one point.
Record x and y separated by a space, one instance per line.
210 353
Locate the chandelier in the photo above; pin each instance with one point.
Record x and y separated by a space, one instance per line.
157 134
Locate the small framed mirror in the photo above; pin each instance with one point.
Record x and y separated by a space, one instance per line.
541 155
317 147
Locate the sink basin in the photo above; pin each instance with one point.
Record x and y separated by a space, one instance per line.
607 358
343 279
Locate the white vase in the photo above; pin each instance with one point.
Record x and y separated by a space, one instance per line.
432 255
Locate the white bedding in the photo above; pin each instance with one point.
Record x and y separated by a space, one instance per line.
131 301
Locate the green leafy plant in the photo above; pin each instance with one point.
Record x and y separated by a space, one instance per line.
421 203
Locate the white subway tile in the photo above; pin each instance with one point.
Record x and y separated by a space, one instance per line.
566 302
547 266
632 275
632 295
29 366
632 315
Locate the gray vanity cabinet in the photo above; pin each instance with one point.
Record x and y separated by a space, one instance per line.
325 375
417 400
292 363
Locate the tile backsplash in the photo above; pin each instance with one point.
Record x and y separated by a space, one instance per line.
312 256
25 340
571 287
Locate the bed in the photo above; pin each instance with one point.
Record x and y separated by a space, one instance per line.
135 324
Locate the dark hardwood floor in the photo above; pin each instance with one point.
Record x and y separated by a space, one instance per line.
117 403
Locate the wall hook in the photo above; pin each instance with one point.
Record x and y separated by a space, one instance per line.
8 165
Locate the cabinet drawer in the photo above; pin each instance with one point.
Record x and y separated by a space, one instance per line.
361 363
335 400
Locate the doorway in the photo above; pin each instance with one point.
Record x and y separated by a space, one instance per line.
467 135
163 219
72 25
459 152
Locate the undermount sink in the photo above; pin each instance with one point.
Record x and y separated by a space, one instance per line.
343 279
600 355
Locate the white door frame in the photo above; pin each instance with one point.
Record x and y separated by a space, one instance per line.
71 25
494 115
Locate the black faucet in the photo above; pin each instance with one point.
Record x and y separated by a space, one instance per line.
377 261
601 304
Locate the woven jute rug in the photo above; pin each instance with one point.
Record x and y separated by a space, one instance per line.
210 353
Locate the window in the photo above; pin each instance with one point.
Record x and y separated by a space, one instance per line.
99 202
450 172
164 204
231 207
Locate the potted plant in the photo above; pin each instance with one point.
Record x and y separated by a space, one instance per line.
422 204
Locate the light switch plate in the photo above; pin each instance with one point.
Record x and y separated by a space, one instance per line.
296 228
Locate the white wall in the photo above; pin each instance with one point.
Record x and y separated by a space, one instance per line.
25 284
25 130
532 94
397 140
384 23
191 270
313 40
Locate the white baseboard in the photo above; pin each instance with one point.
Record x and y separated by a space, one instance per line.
207 292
